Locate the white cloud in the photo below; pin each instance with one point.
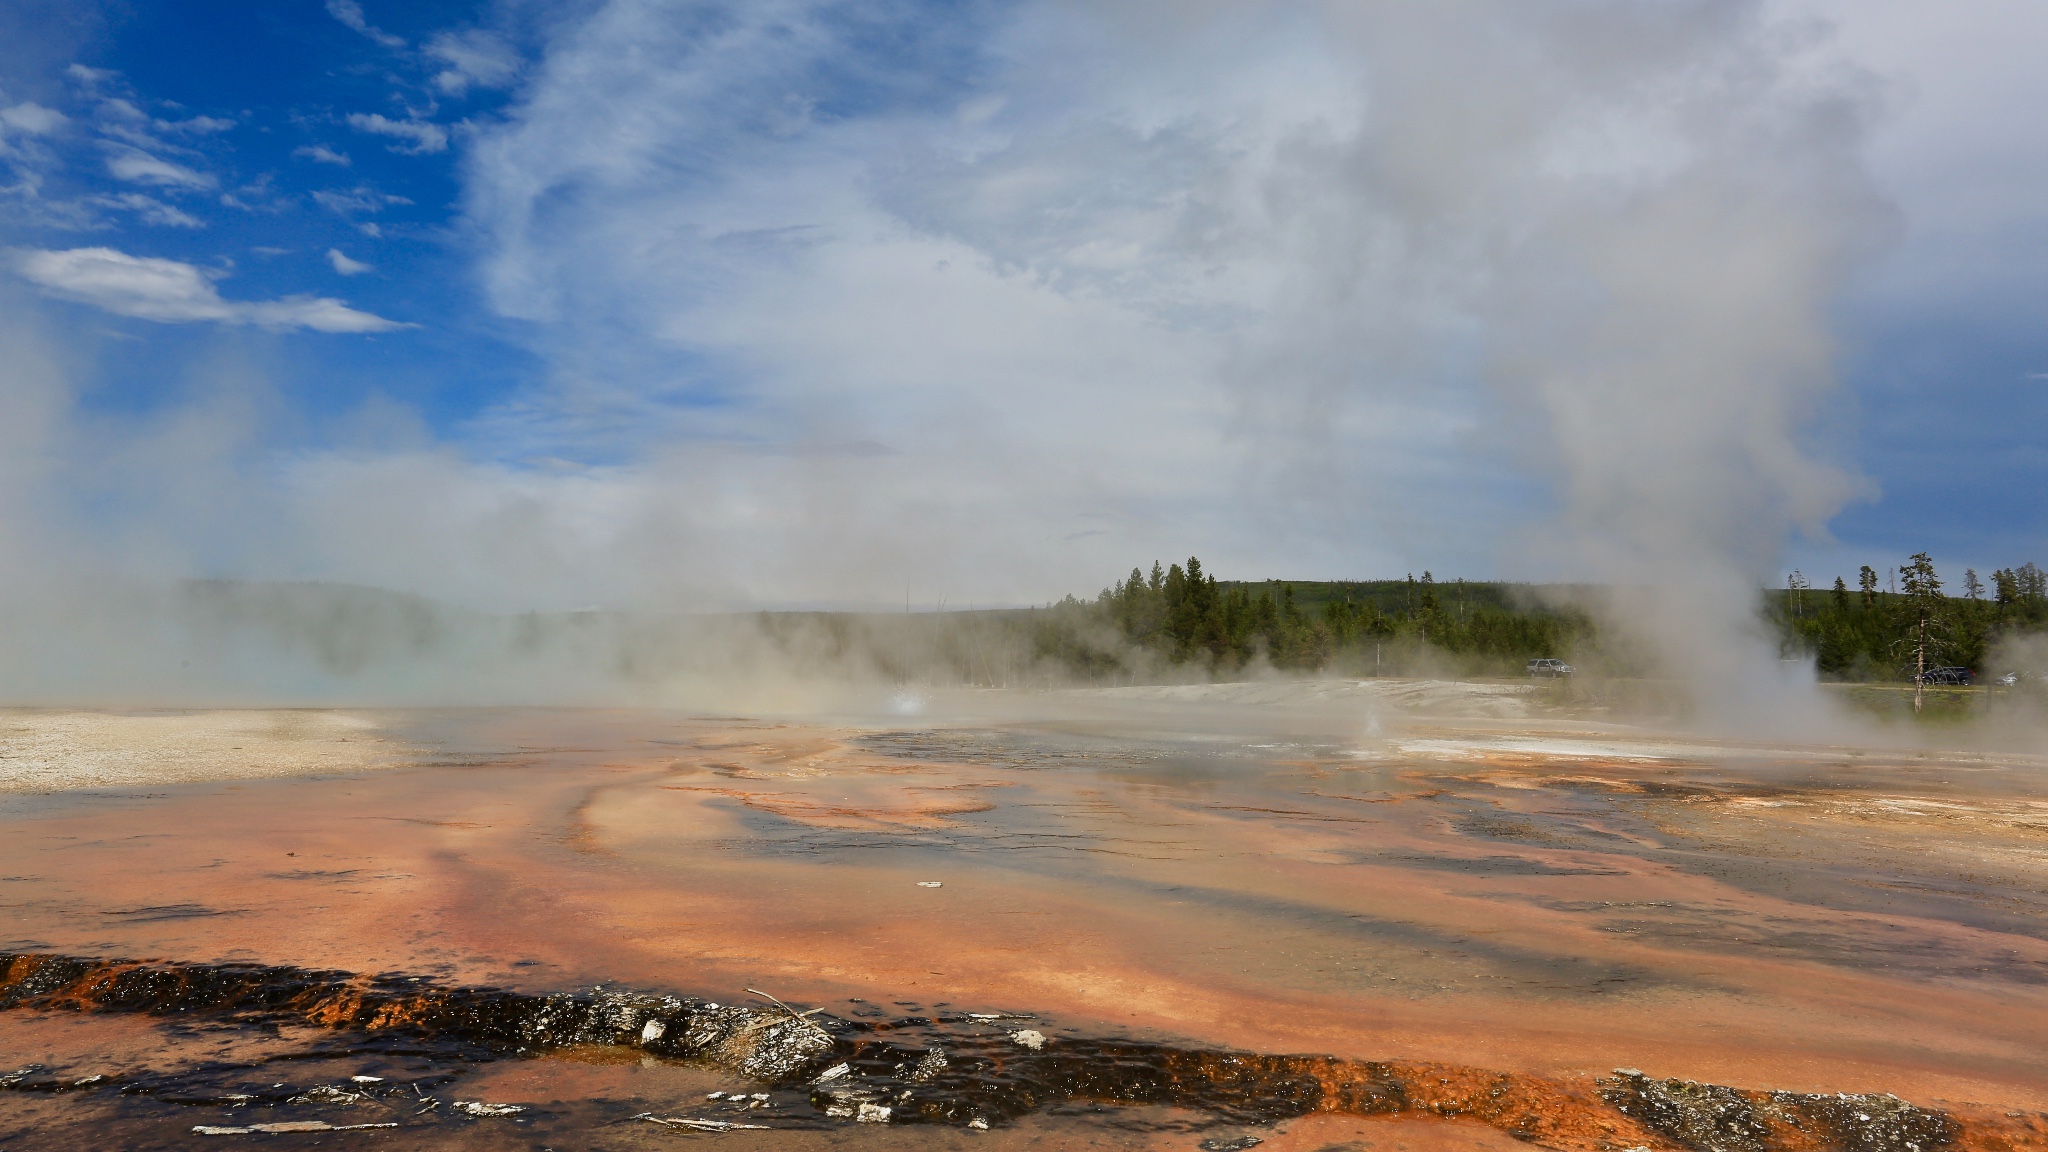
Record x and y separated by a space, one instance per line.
32 118
119 119
425 137
173 292
355 201
473 57
31 157
344 265
139 167
118 108
350 13
152 210
322 154
319 313
151 289
196 126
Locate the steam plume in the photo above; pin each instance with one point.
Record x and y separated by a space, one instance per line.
836 296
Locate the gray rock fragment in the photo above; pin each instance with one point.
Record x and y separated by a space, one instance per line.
1712 1118
929 1065
480 1108
763 1044
1705 1117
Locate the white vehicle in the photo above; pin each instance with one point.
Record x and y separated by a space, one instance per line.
1549 668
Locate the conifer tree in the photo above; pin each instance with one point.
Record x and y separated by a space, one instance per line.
2006 587
1924 598
2032 582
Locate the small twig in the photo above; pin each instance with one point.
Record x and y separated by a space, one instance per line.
700 1125
799 1017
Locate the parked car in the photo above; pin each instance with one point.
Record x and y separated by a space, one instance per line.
1949 675
1550 669
2015 679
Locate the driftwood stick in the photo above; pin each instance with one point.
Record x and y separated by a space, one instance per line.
800 1017
701 1125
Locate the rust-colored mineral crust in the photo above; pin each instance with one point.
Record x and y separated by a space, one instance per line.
1471 919
966 1069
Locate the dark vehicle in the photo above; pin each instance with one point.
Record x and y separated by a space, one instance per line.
1949 675
1551 669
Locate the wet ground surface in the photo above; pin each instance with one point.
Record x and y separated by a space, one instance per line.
1492 898
281 1052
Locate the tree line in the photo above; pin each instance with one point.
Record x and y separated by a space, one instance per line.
1912 622
1894 626
1187 616
1179 621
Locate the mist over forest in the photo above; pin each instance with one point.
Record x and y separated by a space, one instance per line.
228 641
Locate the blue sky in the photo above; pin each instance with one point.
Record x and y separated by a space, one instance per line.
689 303
271 180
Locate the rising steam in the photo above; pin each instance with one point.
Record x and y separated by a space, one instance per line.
1313 288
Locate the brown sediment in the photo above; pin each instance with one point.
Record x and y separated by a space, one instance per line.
960 1069
910 811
